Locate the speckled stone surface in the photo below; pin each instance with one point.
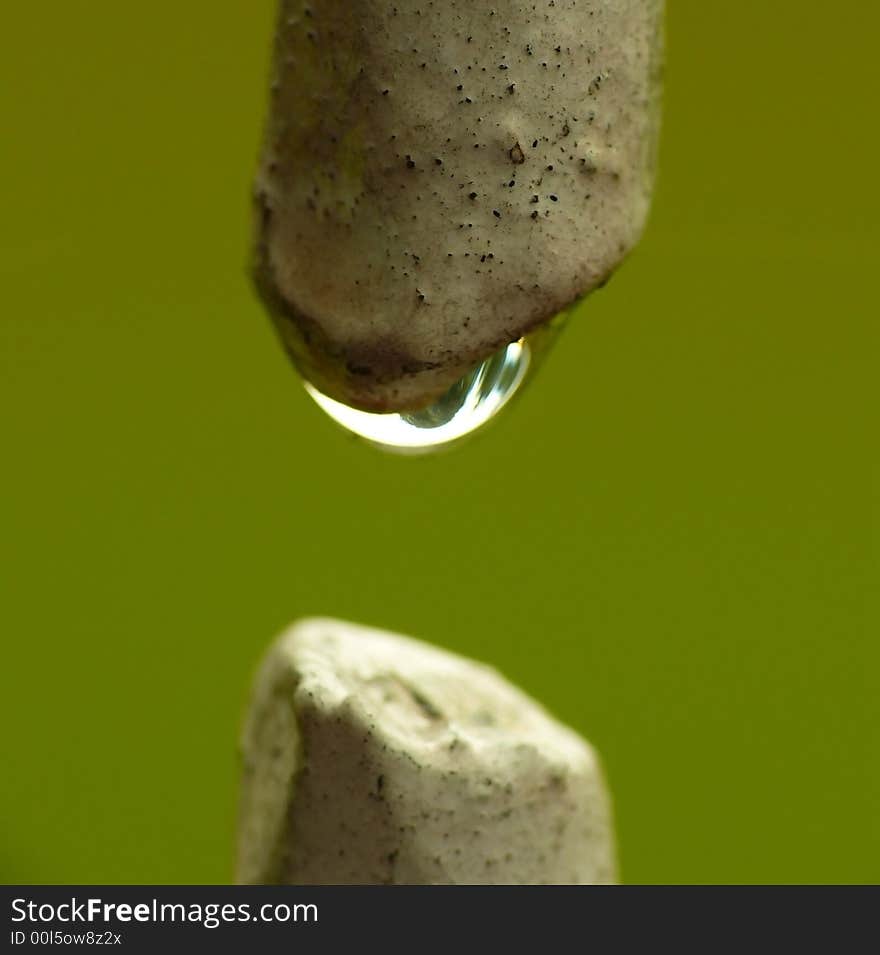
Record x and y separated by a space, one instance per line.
372 758
439 177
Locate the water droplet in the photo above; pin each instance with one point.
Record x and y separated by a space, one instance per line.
468 405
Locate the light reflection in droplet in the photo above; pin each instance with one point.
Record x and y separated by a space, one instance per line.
467 406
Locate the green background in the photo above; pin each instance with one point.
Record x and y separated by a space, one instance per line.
670 539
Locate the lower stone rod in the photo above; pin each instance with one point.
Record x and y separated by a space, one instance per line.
372 758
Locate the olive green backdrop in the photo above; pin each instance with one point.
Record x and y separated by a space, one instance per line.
669 539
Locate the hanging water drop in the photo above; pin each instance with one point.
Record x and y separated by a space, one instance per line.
469 404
